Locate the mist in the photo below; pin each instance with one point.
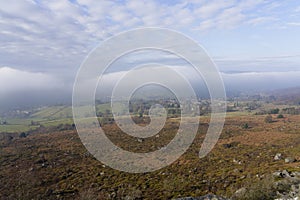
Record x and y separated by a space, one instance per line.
21 89
27 89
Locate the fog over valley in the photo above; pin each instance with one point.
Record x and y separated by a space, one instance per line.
36 88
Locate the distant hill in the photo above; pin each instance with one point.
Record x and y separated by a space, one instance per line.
287 95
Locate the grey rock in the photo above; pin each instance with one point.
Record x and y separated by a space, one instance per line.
278 156
288 187
237 161
295 174
277 174
285 174
239 193
140 140
134 195
289 160
206 197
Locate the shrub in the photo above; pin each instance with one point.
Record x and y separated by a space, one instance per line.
245 126
280 116
22 135
268 119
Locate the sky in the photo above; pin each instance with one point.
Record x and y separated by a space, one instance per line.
43 43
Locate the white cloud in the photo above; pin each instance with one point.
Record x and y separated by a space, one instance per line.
259 64
297 9
261 20
212 8
55 36
227 14
293 23
64 30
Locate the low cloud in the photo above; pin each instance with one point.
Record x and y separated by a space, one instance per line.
15 80
233 81
259 81
23 88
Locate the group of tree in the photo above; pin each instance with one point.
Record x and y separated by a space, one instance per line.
291 111
4 122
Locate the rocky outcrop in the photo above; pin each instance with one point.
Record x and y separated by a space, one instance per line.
284 186
206 197
288 185
279 156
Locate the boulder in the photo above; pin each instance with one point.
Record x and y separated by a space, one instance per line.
289 160
239 193
206 197
278 156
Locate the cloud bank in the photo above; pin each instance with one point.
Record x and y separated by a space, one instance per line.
25 89
13 81
22 88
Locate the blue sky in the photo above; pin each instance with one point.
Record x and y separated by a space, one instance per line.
51 38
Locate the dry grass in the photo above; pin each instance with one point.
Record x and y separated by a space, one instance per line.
55 165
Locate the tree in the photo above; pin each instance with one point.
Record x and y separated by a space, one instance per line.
274 111
140 114
22 135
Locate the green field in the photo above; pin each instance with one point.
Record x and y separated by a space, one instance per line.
46 116
56 115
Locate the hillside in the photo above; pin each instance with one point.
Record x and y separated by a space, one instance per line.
52 164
